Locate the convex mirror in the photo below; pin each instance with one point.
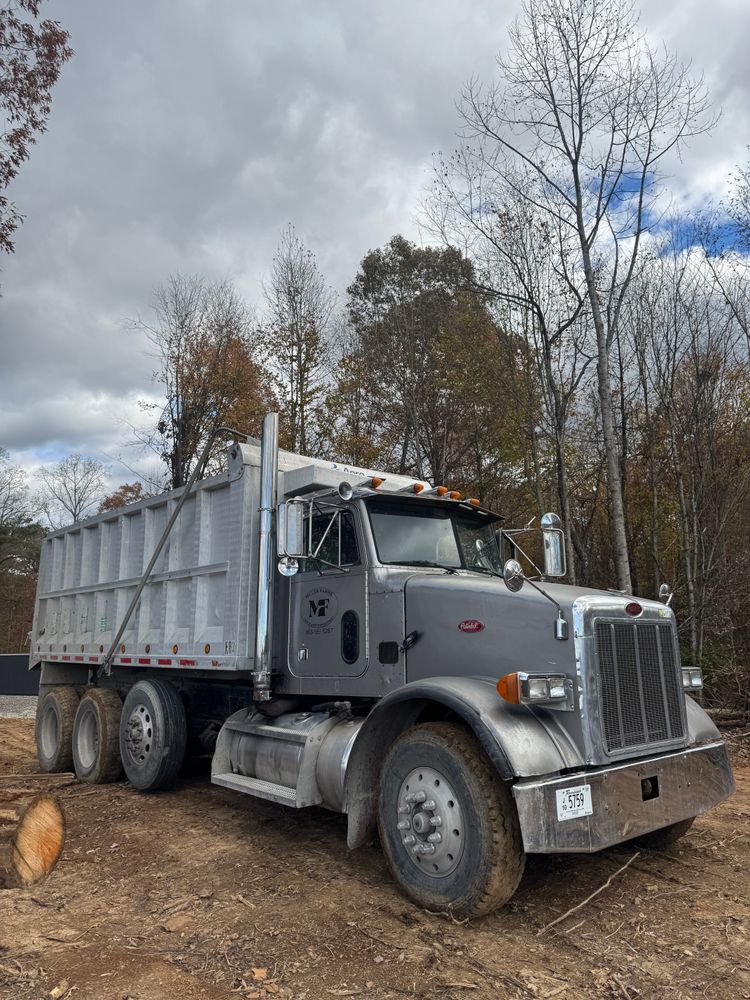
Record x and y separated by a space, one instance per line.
513 575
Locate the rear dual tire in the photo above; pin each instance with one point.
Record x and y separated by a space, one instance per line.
96 736
53 732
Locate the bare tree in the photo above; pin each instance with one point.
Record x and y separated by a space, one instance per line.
201 334
726 247
300 312
692 361
15 506
71 489
591 111
525 260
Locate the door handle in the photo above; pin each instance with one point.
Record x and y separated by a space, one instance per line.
409 641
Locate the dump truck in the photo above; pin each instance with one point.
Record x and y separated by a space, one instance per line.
379 646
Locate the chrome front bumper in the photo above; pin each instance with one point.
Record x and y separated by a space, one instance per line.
688 783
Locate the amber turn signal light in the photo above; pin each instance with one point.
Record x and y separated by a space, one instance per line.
375 482
509 689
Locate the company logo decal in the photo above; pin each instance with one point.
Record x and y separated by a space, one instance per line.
471 625
319 608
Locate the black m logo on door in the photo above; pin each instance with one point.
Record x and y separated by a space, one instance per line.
319 608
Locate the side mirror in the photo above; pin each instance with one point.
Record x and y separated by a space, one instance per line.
513 575
554 545
290 535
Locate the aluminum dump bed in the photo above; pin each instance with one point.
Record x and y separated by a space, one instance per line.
198 608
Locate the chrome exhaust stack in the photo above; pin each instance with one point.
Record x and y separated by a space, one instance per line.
269 474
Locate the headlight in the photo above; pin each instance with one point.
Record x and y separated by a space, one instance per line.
692 678
552 690
535 689
557 688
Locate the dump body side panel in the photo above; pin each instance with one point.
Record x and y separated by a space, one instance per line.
198 609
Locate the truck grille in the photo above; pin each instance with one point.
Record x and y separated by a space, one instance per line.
641 691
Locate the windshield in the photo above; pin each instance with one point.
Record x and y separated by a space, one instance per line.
413 534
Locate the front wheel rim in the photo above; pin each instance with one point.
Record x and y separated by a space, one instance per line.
430 822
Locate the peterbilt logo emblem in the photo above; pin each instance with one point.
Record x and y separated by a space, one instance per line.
471 625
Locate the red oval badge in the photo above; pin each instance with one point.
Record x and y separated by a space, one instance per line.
471 625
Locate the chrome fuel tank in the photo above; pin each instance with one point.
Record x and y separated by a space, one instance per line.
305 753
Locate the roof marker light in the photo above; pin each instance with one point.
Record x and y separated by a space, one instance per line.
418 487
441 490
454 495
376 482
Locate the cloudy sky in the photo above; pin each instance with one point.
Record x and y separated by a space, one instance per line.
184 136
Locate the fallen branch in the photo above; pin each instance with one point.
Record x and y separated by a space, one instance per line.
40 776
588 899
447 915
374 937
16 790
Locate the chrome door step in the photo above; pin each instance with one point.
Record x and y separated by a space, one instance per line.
260 789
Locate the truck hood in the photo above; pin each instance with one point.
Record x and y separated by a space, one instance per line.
468 623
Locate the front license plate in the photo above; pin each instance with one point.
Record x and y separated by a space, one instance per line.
573 802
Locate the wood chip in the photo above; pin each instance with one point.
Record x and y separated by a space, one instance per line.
177 923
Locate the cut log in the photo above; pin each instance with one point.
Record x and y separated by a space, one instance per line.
32 833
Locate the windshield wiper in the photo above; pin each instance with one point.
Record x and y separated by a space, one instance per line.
485 570
426 562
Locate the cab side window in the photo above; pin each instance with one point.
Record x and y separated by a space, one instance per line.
339 540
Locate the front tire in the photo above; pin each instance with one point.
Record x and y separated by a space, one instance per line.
96 736
55 716
448 825
153 734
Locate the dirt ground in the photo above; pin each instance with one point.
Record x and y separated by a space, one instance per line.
202 893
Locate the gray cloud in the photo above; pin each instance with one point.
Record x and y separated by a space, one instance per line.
184 137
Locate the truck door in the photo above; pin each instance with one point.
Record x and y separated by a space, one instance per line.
327 603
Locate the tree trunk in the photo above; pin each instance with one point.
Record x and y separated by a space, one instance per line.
32 832
614 479
687 546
